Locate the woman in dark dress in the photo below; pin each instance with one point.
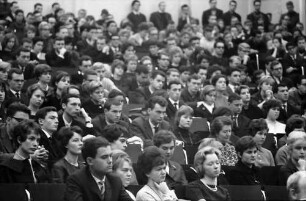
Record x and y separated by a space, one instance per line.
207 164
36 98
71 140
21 168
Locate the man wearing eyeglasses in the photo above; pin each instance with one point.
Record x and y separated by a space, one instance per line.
218 54
16 113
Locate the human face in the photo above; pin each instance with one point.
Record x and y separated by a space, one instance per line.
2 94
119 144
64 81
283 93
3 74
157 114
16 119
219 49
50 122
27 45
298 150
203 74
75 144
185 121
221 84
163 62
162 6
277 70
132 65
101 43
24 58
211 166
101 164
59 44
224 135
86 64
176 58
257 6
38 46
234 78
236 106
210 98
114 113
157 174
10 44
37 98
125 173
45 77
232 6
63 33
119 71
158 82
30 145
73 107
98 95
17 81
194 85
266 86
260 137
142 78
92 78
185 76
167 149
273 113
175 92
248 157
302 86
173 75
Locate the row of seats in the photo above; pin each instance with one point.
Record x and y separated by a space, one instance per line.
55 192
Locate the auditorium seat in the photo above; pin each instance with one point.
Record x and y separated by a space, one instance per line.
245 193
13 192
276 193
47 192
191 150
132 110
134 188
270 175
133 150
179 155
200 125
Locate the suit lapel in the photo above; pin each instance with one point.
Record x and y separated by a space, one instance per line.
108 190
148 130
92 185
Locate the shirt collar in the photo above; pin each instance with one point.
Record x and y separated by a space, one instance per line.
67 124
172 101
47 134
152 126
98 181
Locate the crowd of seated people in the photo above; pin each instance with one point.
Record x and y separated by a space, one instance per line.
207 103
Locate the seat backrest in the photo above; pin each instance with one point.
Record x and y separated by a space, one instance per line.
199 124
191 150
12 192
245 193
133 150
270 143
47 192
276 193
179 155
134 188
269 175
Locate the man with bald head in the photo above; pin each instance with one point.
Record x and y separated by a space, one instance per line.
296 186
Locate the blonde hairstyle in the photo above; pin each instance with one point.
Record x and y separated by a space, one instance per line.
200 158
212 142
119 157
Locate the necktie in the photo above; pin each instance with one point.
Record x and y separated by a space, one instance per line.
155 129
175 105
235 122
17 95
102 188
285 107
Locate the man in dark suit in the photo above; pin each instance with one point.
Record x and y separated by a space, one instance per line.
145 128
231 13
174 89
233 80
112 115
257 14
191 93
15 80
212 11
160 18
165 141
135 17
240 122
23 63
85 64
95 181
71 105
16 112
277 74
282 94
185 18
47 118
293 15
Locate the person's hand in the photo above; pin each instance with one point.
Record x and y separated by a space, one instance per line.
269 94
162 187
41 154
105 49
85 115
62 51
33 62
290 69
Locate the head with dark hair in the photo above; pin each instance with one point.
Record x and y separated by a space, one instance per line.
295 122
165 141
301 84
70 139
246 149
271 108
117 96
157 79
119 65
258 126
219 82
112 110
151 158
90 75
183 117
221 129
157 109
71 105
116 135
42 72
222 111
59 79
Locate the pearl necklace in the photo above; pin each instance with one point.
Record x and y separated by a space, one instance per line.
210 188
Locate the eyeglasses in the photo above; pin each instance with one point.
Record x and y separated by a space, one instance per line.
220 47
18 119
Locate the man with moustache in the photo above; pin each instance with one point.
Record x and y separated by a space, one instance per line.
95 181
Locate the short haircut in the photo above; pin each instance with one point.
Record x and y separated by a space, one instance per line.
257 125
150 158
117 63
113 132
108 104
193 77
274 63
183 110
200 158
65 98
218 123
241 87
272 103
26 40
294 180
295 122
23 129
163 137
157 100
22 49
89 72
119 157
12 71
170 70
156 73
84 58
42 112
66 133
34 87
176 81
277 86
244 143
41 69
233 97
58 39
92 145
231 70
17 107
141 69
114 93
222 111
215 79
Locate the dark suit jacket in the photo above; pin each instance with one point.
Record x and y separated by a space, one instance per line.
141 127
145 92
157 19
209 12
243 125
77 79
10 98
81 186
187 98
92 109
176 175
227 17
171 110
202 111
136 20
28 70
252 112
55 61
284 115
7 147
